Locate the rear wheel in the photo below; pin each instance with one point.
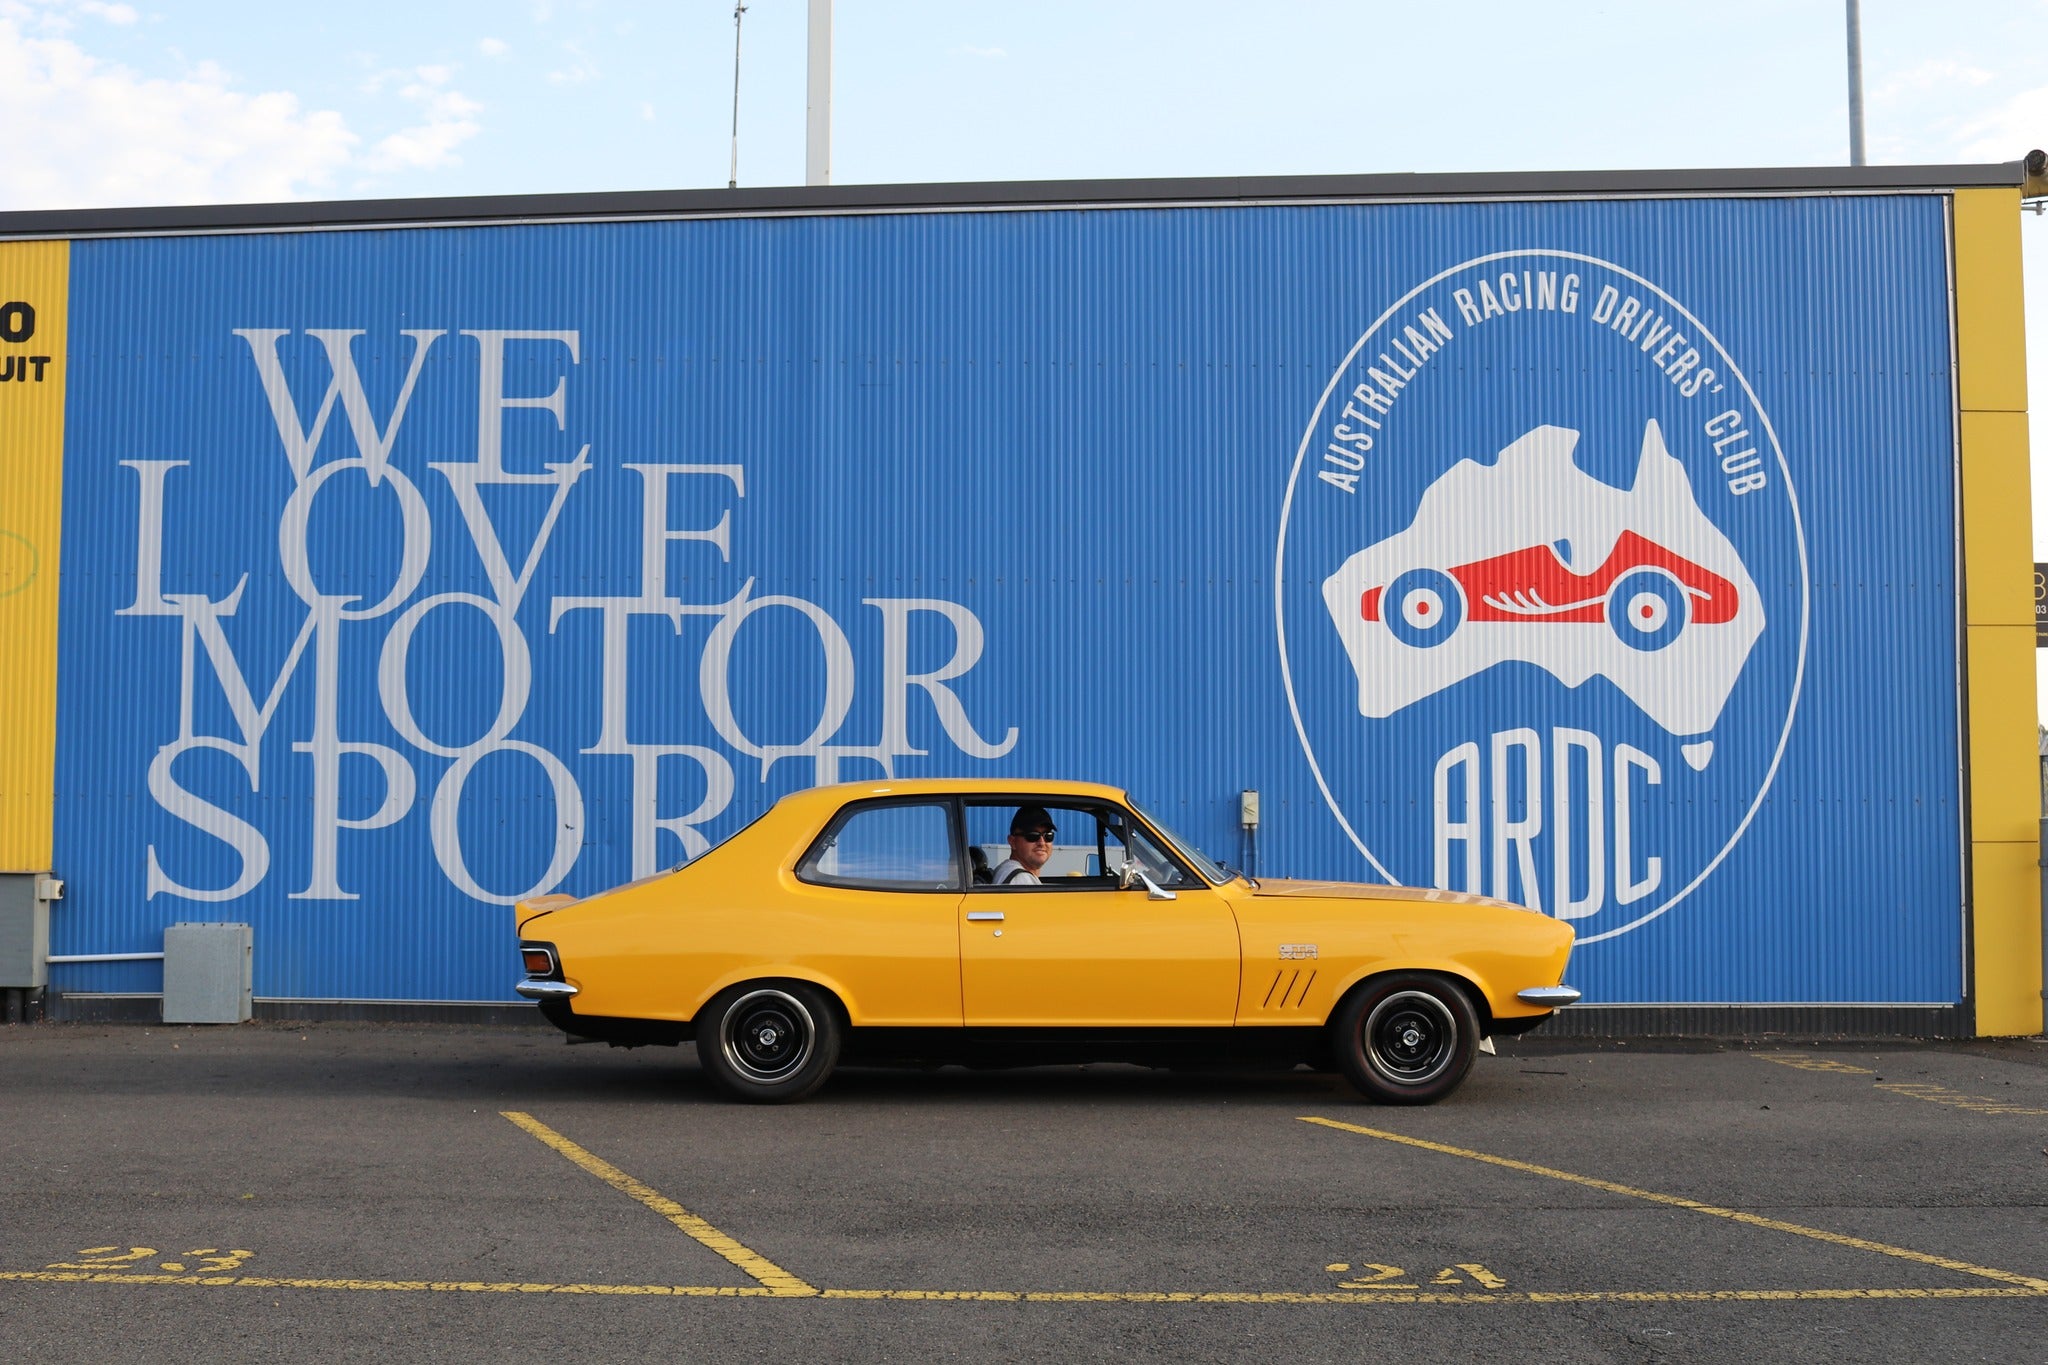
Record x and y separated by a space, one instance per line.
1408 1038
1423 607
769 1042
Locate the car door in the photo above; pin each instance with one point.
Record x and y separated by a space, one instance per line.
1077 951
872 912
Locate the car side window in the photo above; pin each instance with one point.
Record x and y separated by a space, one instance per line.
894 846
1088 848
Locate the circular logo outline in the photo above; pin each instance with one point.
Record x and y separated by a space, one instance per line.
35 563
1792 505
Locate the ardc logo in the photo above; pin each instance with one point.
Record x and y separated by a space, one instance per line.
1541 561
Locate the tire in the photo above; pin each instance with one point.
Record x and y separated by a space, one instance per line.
1422 608
1648 609
1408 1038
769 1042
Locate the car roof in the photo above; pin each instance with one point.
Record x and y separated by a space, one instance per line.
999 788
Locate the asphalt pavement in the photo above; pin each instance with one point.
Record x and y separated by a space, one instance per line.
375 1192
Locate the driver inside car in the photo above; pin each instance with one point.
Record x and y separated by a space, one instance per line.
1032 833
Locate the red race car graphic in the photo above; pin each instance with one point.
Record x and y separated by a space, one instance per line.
1636 585
1661 593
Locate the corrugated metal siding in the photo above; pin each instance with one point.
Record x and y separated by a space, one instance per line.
1080 428
33 362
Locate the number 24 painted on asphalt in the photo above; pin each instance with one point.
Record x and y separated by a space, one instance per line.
1390 1276
211 1260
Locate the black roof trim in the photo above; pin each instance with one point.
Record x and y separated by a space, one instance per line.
829 199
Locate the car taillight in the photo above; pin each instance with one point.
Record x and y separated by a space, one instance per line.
539 961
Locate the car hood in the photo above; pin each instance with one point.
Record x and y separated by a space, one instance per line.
1360 891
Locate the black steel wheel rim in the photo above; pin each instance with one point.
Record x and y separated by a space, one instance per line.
1411 1037
767 1036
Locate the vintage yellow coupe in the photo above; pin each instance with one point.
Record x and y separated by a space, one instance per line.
1006 923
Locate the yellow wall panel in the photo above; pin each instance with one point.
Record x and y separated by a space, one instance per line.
1991 354
1998 554
34 293
2006 880
2005 801
1998 524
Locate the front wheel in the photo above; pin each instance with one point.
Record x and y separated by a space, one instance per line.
1406 1039
1648 609
768 1042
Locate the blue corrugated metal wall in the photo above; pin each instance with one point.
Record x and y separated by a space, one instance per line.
1064 466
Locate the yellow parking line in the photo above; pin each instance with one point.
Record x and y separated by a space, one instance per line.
779 1282
1803 1062
1955 1099
1531 1297
1278 1299
693 1291
1918 1090
1676 1201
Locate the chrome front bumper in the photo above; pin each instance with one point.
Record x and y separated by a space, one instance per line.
1550 997
558 990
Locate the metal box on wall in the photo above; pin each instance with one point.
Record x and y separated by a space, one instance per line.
24 931
208 973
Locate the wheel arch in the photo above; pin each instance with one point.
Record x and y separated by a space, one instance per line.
782 974
1455 974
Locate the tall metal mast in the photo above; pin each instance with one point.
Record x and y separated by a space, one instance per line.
739 13
818 105
1855 83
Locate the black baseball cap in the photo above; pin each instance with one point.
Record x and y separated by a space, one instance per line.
1029 818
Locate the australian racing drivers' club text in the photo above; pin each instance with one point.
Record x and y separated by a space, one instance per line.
1651 331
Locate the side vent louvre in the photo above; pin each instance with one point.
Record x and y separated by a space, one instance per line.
1288 985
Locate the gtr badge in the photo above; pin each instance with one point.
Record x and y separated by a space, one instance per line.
1531 559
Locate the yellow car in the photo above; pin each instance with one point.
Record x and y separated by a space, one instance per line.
1016 922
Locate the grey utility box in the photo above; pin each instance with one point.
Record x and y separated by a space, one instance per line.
25 929
208 970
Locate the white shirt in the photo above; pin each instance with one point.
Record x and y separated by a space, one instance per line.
1010 872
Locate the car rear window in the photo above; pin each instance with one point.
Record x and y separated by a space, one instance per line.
895 846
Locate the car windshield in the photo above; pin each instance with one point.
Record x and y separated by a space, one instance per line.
1181 846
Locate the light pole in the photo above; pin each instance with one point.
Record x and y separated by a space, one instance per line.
739 13
818 105
1855 83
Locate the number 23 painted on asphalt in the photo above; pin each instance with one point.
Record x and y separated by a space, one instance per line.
210 1260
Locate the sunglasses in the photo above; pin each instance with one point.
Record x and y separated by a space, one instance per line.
1036 836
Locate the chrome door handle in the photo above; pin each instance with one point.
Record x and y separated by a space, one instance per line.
984 914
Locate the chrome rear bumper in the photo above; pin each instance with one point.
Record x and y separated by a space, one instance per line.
1549 996
550 990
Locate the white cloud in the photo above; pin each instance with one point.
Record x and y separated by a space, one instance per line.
106 135
1929 75
450 121
647 111
493 47
580 68
55 16
2008 132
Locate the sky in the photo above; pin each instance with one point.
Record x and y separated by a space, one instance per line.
113 102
